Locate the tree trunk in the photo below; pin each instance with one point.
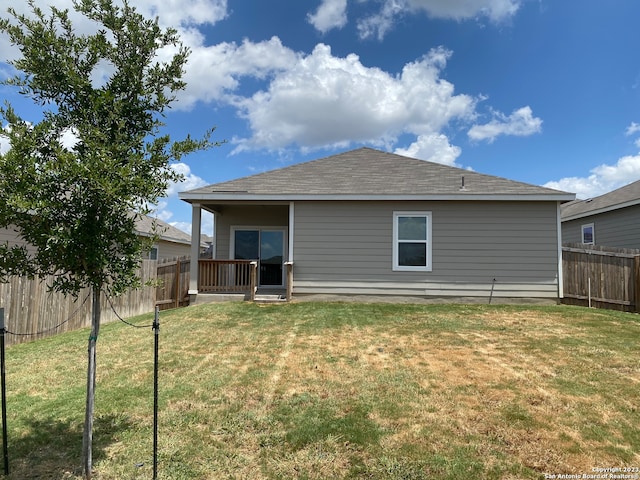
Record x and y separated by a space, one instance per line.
87 437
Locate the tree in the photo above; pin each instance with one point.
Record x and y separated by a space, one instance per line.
78 204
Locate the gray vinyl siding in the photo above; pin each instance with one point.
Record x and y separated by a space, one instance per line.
348 246
572 230
10 237
170 250
617 228
247 216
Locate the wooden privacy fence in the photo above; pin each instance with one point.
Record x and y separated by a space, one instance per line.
29 307
173 283
602 277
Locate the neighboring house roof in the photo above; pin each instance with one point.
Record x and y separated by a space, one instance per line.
368 174
165 231
626 196
144 227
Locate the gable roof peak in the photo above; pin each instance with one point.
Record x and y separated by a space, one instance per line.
365 172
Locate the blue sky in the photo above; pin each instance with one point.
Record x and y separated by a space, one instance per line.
541 91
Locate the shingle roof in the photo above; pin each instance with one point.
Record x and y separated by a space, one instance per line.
622 197
167 232
367 172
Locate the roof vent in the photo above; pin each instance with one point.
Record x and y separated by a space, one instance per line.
462 187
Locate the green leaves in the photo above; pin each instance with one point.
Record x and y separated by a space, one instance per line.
75 201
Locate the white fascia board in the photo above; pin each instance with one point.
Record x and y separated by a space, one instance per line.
602 210
213 197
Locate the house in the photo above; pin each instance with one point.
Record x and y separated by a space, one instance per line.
611 220
370 222
171 241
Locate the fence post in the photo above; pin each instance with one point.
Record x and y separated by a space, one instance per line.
289 266
636 280
178 273
156 332
253 282
3 373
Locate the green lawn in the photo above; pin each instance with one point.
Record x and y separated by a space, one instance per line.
337 390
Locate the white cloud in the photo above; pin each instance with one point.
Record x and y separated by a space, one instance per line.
632 129
329 15
378 24
603 178
5 144
5 141
206 224
69 138
101 73
520 123
215 71
160 211
174 13
325 100
190 181
495 10
434 148
164 209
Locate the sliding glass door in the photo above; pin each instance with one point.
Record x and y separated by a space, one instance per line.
265 245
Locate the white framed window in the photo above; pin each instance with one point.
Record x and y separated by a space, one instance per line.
412 241
588 234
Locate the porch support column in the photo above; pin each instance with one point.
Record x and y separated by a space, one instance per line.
288 265
196 215
292 217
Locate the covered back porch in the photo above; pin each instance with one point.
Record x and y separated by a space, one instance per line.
252 251
230 277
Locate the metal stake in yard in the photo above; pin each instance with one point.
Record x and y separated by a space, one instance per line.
156 329
493 284
3 375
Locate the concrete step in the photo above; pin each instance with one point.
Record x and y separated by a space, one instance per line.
270 299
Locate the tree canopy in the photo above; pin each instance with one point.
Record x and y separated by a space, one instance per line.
76 201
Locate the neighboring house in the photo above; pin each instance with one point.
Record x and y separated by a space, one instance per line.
208 251
611 220
370 222
171 243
